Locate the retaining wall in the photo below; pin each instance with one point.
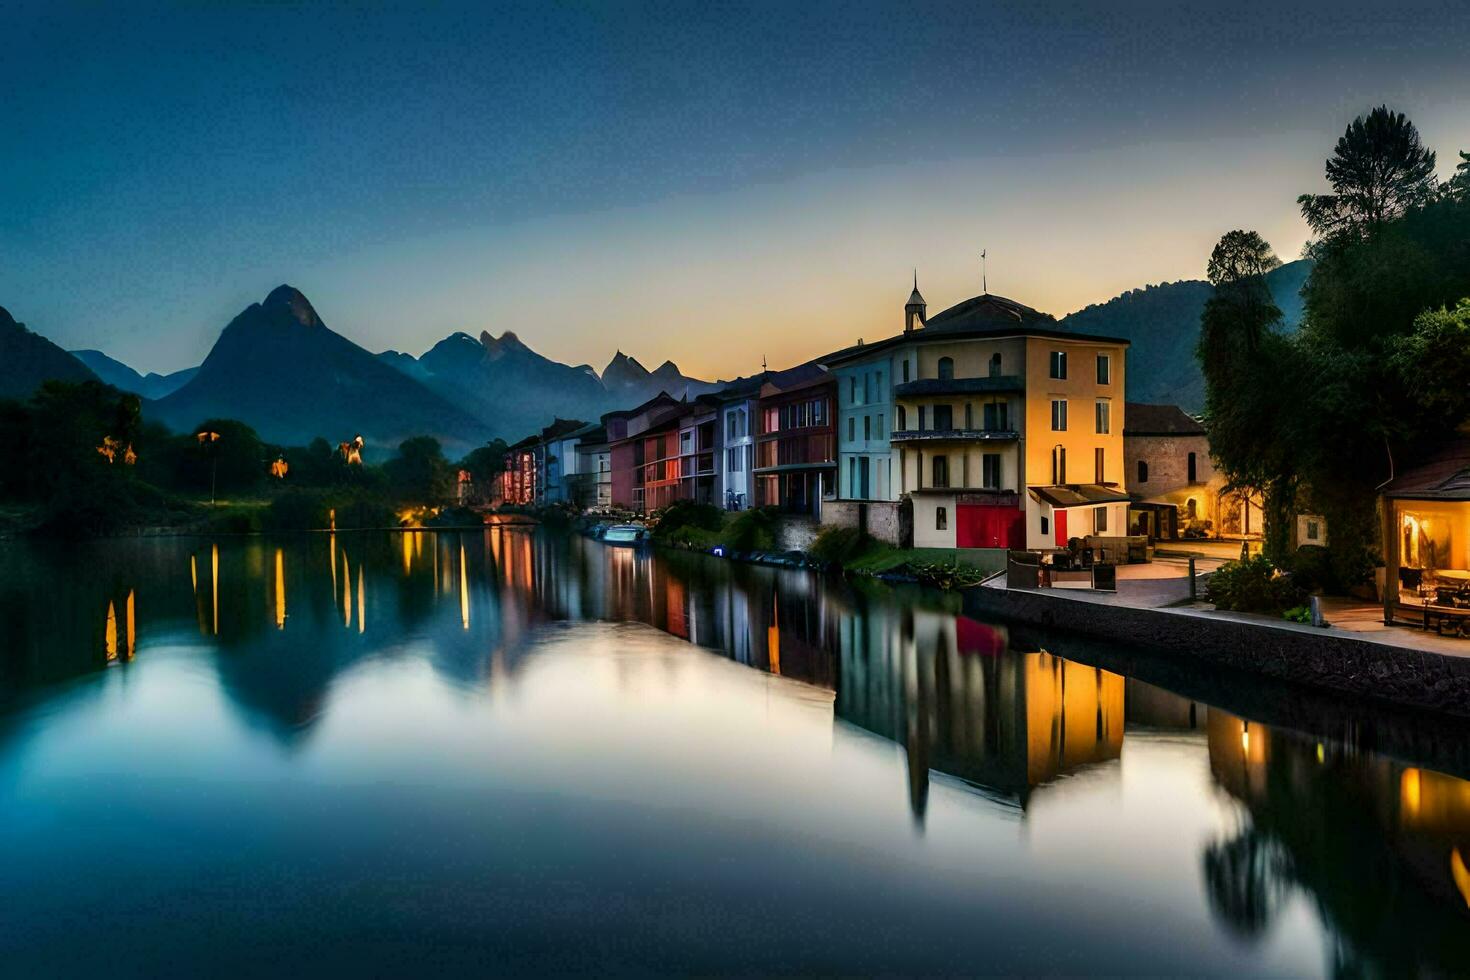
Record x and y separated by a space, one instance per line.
882 517
1300 654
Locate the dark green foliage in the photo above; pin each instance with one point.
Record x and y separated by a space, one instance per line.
315 509
839 545
419 473
234 463
682 514
1252 585
1319 419
1379 170
753 530
487 462
947 575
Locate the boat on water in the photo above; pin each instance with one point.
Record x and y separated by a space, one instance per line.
625 534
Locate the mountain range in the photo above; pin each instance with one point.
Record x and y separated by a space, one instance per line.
1163 324
27 359
278 367
124 378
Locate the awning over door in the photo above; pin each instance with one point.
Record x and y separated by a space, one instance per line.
1079 495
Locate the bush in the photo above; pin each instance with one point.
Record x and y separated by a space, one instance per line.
839 545
1253 585
753 530
952 574
1298 614
686 514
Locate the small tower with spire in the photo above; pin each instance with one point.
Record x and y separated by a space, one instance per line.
913 310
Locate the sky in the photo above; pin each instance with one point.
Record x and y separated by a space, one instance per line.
708 182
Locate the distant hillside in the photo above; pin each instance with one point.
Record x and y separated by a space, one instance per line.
27 359
1163 323
124 378
278 368
516 391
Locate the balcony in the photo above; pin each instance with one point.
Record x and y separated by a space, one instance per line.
959 386
953 435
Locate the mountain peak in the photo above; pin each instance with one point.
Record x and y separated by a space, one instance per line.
6 319
294 302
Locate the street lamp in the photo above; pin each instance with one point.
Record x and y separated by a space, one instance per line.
207 440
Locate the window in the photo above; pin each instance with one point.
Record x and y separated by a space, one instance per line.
996 416
867 387
1193 469
1058 466
1191 508
922 420
1142 471
946 369
880 383
1059 365
1045 525
941 471
882 432
734 459
852 484
941 519
1097 465
995 365
990 471
772 421
867 427
1059 415
852 390
851 429
1099 520
905 370
969 416
943 417
1104 369
686 443
903 418
1104 416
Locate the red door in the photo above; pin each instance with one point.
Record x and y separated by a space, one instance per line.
1059 517
989 526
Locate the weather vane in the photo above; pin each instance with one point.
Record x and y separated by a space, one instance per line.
984 280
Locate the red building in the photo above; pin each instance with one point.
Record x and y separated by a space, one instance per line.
518 484
643 447
796 440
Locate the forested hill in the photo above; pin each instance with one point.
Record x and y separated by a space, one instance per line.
1163 323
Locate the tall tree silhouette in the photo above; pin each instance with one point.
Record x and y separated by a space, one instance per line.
1378 170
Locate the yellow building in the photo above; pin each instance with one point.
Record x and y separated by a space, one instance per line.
1007 432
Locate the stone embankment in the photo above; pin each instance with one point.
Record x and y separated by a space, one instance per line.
1284 651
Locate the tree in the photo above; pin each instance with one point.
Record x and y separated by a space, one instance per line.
233 463
1242 354
1434 361
1458 186
486 462
1378 171
419 473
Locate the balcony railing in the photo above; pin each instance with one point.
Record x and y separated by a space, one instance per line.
943 435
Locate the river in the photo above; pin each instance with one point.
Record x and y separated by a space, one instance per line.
515 751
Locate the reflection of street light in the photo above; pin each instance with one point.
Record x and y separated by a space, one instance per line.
207 440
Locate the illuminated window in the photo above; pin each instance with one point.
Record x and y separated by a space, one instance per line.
1059 415
1104 417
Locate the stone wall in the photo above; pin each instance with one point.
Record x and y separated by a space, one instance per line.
797 533
882 516
1285 651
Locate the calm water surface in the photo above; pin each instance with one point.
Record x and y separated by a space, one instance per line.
514 751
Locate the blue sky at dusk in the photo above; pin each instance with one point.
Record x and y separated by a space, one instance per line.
707 182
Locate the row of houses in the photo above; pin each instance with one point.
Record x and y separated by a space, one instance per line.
983 426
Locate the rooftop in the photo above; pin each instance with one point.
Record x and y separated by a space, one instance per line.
1159 420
